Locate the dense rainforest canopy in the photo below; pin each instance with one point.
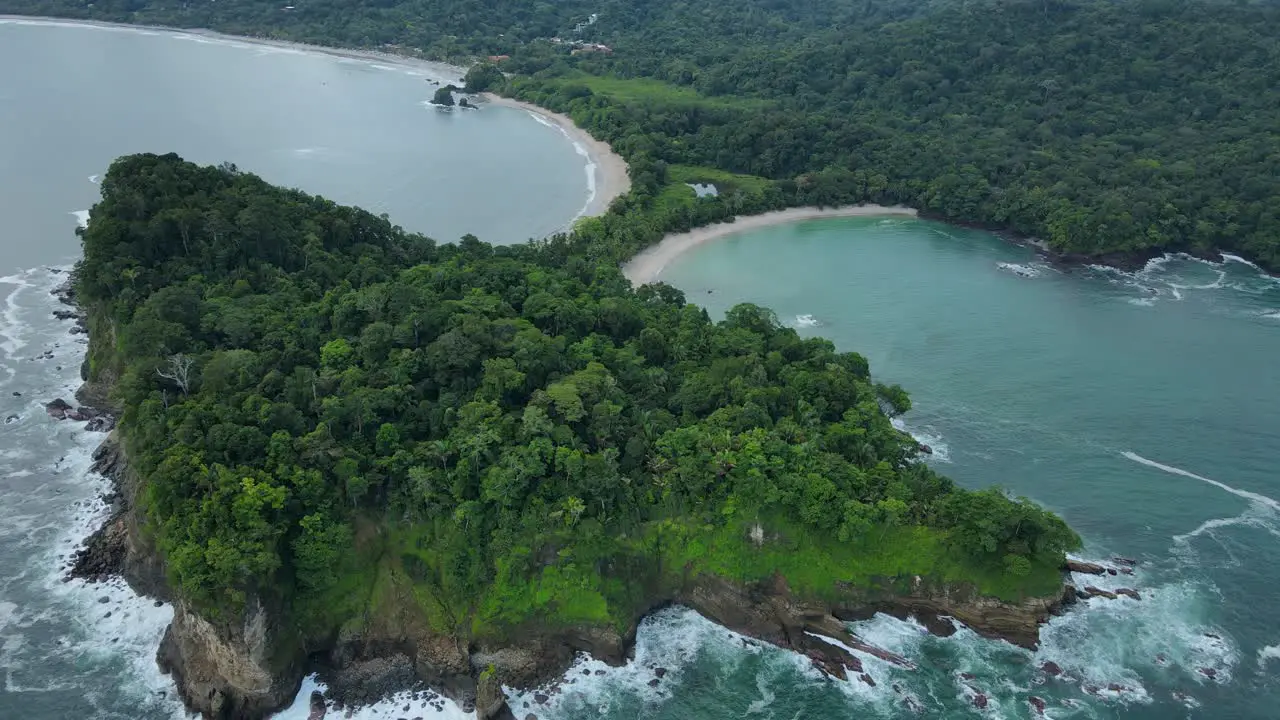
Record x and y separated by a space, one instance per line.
1106 127
329 413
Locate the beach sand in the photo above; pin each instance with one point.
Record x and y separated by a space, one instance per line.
611 178
610 170
442 73
647 266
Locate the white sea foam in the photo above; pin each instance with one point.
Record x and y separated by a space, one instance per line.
805 321
8 612
400 705
1247 495
926 435
589 168
93 179
82 217
1141 301
12 329
1026 271
1270 315
1106 643
670 639
1267 654
1229 258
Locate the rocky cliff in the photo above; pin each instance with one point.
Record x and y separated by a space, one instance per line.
253 665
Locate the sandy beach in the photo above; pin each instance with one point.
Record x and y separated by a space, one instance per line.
438 71
647 266
610 178
610 170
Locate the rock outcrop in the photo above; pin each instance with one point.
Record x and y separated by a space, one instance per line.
119 547
238 670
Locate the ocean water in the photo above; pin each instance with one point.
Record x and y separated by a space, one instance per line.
71 100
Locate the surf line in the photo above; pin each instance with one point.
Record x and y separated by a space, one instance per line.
1251 496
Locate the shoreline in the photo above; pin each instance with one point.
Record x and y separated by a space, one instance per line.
648 264
610 178
439 71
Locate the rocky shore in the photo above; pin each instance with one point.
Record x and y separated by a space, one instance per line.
249 669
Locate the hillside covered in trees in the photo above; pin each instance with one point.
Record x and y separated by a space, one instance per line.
329 413
1110 128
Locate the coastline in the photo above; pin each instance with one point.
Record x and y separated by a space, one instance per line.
433 70
610 178
646 266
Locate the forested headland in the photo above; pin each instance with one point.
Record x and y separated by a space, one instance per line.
338 419
1110 129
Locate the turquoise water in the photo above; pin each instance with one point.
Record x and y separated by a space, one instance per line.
1145 408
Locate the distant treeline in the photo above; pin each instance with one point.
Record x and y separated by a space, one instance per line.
1123 127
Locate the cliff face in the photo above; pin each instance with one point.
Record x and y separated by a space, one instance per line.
252 666
230 670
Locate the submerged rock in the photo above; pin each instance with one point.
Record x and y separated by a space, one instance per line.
1051 669
1037 703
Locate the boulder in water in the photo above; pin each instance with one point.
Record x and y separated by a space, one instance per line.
1037 703
1087 568
1099 592
1129 593
867 679
1051 668
980 701
58 409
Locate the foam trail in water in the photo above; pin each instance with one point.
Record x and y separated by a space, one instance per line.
82 217
1250 496
12 329
1267 654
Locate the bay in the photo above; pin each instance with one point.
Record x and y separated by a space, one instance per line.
1144 407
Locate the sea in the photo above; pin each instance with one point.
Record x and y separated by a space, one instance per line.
1144 407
